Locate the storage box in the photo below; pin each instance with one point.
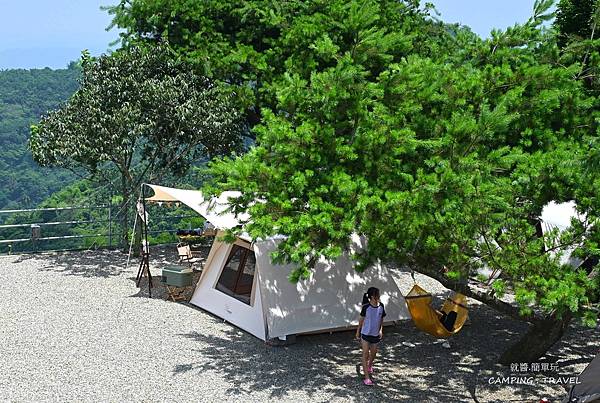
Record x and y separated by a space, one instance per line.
175 267
177 276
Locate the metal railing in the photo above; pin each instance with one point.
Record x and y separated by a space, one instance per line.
29 232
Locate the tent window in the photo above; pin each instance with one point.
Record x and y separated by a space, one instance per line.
238 274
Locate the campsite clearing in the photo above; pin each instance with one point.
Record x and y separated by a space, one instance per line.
74 327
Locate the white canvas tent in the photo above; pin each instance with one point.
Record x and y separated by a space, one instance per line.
554 216
558 216
241 285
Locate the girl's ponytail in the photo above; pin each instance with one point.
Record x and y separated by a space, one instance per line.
371 292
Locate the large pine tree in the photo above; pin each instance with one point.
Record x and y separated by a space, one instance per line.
438 146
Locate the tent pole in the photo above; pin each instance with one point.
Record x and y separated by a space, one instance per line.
144 264
146 247
143 256
131 242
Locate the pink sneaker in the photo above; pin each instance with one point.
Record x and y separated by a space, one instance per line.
368 382
370 369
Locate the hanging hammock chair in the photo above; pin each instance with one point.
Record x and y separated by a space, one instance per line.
441 324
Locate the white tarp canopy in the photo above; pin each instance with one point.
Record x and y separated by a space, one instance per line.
214 209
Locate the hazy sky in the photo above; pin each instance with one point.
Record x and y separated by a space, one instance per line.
484 15
50 33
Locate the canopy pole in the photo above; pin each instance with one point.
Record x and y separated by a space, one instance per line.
131 242
145 262
146 245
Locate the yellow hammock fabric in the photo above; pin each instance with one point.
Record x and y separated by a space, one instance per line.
427 318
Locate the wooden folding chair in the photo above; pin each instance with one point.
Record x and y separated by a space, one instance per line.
186 256
176 293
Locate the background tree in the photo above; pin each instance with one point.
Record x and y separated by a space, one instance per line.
138 115
25 95
440 147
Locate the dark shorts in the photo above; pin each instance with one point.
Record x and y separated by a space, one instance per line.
370 339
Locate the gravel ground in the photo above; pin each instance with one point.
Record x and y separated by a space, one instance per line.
74 327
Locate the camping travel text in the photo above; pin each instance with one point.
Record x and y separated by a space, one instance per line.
529 380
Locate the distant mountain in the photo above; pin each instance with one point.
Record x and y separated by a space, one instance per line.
25 95
41 57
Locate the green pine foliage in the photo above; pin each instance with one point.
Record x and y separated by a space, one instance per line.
574 20
371 117
253 45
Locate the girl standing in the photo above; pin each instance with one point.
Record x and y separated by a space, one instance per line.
370 330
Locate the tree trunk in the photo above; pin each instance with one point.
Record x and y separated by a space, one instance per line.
540 337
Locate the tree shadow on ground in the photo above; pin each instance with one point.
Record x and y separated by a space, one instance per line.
576 349
98 263
412 365
421 370
159 290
